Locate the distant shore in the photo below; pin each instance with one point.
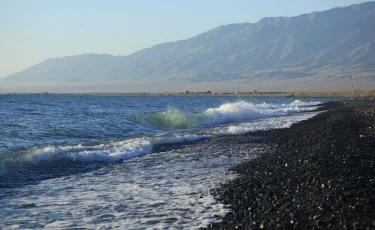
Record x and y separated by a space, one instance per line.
320 174
354 94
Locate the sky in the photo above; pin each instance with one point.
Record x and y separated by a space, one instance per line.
33 31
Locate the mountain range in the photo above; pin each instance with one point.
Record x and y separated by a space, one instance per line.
309 50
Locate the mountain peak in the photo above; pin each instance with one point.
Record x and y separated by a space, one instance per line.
333 43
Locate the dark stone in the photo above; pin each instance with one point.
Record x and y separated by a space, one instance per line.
317 174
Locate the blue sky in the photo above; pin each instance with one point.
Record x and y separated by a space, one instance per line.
32 31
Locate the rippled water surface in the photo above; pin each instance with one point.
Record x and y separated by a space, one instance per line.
126 162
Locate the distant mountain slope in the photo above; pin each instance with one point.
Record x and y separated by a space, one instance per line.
333 43
65 68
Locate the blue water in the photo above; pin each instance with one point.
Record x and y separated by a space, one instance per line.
126 162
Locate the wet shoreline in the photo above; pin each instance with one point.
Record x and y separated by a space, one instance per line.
320 174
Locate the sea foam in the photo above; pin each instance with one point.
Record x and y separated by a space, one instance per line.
114 151
239 118
230 112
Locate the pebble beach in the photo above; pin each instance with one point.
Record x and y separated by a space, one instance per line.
318 174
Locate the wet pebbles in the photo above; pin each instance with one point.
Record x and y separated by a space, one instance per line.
320 174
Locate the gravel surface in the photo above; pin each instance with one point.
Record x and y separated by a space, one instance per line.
320 174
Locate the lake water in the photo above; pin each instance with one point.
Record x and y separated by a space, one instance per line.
126 162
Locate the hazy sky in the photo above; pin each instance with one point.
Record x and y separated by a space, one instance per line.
32 31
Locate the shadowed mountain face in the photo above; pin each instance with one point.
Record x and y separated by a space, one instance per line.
330 44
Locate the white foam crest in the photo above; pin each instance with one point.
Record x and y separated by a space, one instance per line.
230 112
269 116
242 110
302 103
114 151
265 124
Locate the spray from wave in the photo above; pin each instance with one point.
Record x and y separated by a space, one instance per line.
245 117
52 160
243 113
231 112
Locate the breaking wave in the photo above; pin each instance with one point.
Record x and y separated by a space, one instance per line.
50 159
231 112
45 162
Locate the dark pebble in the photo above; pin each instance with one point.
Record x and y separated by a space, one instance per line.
320 175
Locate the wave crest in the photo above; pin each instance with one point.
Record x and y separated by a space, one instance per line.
230 112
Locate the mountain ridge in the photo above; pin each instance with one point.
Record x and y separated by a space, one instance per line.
335 43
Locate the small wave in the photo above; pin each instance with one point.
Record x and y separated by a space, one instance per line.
300 103
171 119
22 167
265 124
114 151
17 168
231 112
135 147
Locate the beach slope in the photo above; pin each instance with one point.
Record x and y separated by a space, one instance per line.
321 174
